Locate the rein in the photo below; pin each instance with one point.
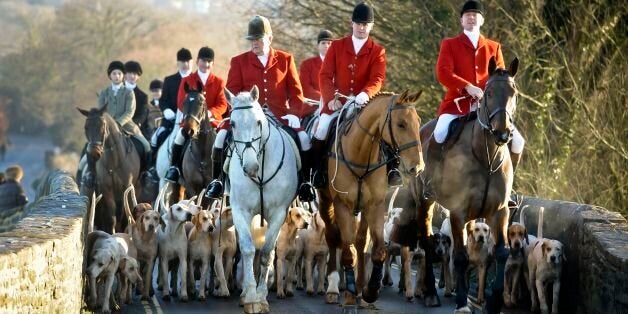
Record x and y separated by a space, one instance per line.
368 168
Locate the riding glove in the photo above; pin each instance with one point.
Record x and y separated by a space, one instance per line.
169 114
362 98
293 121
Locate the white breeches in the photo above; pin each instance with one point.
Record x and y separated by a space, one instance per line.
442 128
323 125
219 142
155 136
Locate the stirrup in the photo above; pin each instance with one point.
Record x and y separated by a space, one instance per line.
394 178
172 175
306 192
214 189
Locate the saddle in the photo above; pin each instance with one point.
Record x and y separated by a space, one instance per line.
456 127
140 150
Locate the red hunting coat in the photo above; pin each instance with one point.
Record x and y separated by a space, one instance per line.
308 73
278 82
459 64
349 73
214 94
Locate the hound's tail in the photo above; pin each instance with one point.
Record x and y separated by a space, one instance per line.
522 217
392 199
92 211
540 229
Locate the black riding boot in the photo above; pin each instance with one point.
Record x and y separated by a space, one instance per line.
318 159
174 172
393 174
215 189
433 157
306 190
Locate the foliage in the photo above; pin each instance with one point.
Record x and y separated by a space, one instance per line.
572 78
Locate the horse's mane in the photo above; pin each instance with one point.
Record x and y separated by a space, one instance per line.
379 94
110 121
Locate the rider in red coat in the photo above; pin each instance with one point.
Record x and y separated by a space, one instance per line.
213 87
311 67
462 67
354 66
274 73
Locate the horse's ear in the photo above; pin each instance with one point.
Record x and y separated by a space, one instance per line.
255 93
228 95
414 97
83 111
402 98
103 109
186 87
199 86
514 66
492 65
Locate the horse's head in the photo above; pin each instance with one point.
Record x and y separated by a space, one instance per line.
248 123
194 109
401 133
95 130
498 105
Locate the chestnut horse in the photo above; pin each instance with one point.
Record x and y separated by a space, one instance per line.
360 185
113 163
474 179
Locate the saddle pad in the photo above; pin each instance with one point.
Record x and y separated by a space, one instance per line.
457 126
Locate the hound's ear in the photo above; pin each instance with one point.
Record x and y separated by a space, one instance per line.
288 219
228 95
194 219
492 65
83 111
255 93
514 66
315 219
543 248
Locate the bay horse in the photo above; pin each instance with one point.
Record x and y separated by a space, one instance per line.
196 166
114 162
262 180
360 185
474 179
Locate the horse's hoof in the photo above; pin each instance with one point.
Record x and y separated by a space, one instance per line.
463 310
321 292
350 299
409 298
166 298
441 284
299 288
432 301
370 295
281 296
255 308
331 298
241 302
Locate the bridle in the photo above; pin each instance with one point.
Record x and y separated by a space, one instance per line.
101 142
196 112
488 117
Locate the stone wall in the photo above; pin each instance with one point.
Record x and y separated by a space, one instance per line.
595 276
41 258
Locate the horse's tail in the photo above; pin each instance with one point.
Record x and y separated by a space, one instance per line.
125 201
540 228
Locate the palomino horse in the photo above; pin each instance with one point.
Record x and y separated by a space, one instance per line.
360 185
475 177
113 163
196 165
263 180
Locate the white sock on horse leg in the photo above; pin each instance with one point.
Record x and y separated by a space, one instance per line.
220 139
442 126
517 142
306 143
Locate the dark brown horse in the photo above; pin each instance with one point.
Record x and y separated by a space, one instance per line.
474 179
197 159
113 163
360 185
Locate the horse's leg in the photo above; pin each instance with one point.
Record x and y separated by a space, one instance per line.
242 221
424 218
346 224
461 261
499 230
108 213
360 245
332 237
267 254
374 215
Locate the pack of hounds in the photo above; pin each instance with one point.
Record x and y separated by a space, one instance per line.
193 244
